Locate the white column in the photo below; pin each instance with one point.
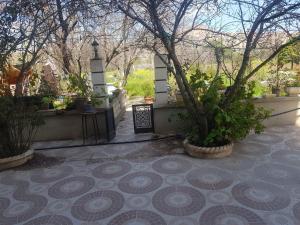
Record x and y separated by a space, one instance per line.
99 82
161 80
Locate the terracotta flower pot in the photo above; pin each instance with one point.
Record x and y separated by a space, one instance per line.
149 100
207 152
14 161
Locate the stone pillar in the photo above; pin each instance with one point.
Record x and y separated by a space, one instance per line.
98 78
161 80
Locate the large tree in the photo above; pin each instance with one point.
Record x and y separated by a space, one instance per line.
171 21
26 28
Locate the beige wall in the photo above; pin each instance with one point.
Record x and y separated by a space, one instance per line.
166 118
278 105
68 125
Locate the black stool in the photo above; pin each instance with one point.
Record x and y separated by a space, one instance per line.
84 125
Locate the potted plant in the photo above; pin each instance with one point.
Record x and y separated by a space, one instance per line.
293 88
46 101
18 124
277 81
148 94
225 123
80 85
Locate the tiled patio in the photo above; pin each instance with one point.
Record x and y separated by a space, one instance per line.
155 184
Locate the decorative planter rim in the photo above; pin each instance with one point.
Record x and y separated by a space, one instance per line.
17 157
208 152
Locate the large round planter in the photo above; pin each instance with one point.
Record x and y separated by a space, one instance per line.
207 152
292 91
15 161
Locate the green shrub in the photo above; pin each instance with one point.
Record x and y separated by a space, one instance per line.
19 121
225 123
141 83
80 84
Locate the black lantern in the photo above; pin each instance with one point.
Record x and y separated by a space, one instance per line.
95 46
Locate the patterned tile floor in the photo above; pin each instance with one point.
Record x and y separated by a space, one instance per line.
156 184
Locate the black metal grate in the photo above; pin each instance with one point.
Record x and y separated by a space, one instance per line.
143 118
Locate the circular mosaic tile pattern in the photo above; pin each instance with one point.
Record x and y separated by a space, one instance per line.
140 182
111 170
288 157
140 167
261 196
235 164
244 175
50 175
97 205
278 174
38 188
138 201
5 190
209 178
252 149
233 215
138 217
171 165
296 211
105 184
178 200
19 209
58 206
71 187
174 180
296 192
22 210
265 138
183 221
53 220
279 219
219 197
293 143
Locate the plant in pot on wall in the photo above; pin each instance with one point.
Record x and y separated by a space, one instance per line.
46 102
293 88
80 85
148 92
19 121
277 81
225 124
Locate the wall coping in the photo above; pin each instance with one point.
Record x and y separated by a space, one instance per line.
53 112
255 100
277 99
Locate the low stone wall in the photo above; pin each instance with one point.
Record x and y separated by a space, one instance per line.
279 105
167 121
67 126
119 106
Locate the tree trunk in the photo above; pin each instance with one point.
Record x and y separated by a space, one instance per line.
63 42
193 106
